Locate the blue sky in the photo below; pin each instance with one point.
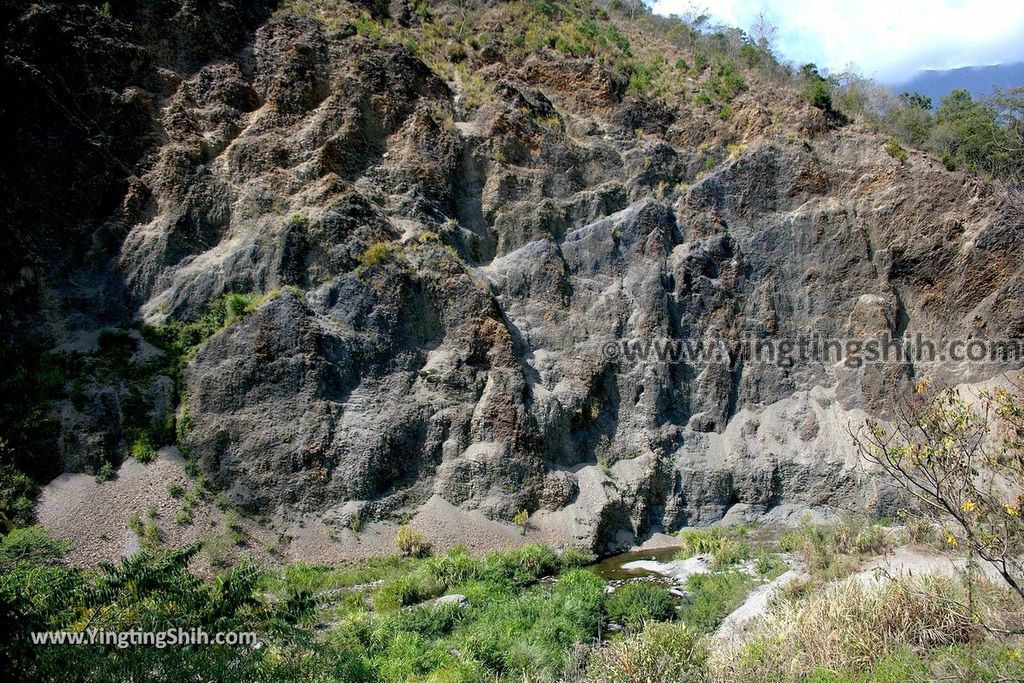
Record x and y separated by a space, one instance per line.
889 40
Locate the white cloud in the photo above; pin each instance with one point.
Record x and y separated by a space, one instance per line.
887 39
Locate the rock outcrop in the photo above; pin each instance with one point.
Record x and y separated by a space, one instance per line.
458 272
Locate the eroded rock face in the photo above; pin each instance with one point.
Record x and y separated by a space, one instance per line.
467 356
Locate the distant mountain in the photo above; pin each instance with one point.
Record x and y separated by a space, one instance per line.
978 80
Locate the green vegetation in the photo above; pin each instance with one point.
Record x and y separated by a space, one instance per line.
366 26
521 519
376 254
411 543
713 597
637 603
105 473
146 593
531 615
660 653
816 88
143 451
894 149
725 545
980 136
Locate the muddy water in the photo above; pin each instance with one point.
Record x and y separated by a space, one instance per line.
610 568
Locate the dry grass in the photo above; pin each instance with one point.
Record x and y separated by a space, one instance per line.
662 652
850 626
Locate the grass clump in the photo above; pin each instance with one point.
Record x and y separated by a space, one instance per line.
406 590
143 451
831 552
894 149
725 545
453 568
521 519
636 603
364 25
521 566
661 652
183 517
376 254
534 631
411 543
574 558
712 597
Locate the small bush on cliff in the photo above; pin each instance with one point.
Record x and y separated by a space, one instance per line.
143 451
894 149
376 254
816 88
520 519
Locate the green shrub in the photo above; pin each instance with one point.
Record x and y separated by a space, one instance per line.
700 62
376 254
105 473
818 94
175 490
191 467
30 544
366 26
183 517
145 592
636 603
894 149
143 451
727 82
411 543
520 519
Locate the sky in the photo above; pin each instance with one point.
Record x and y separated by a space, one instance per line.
889 40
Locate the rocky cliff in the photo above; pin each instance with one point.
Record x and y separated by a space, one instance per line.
453 230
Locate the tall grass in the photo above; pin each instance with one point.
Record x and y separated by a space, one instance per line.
850 626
